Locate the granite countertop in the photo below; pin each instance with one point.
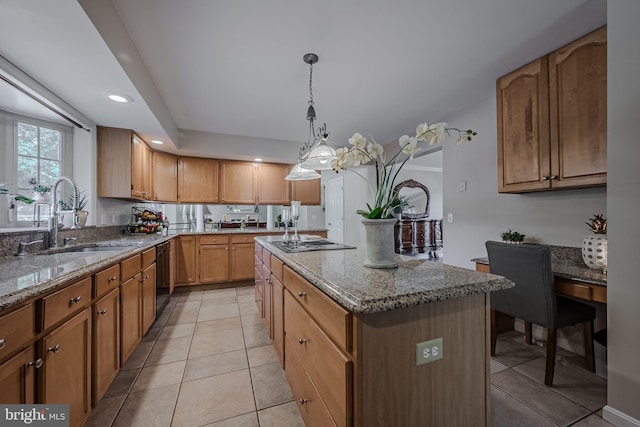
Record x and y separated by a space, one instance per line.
251 230
26 277
340 274
568 269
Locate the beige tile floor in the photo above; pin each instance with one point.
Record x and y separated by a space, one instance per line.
208 361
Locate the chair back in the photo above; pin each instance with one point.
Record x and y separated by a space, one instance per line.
529 266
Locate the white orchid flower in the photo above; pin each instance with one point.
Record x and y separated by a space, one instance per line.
421 131
408 144
436 132
358 141
375 150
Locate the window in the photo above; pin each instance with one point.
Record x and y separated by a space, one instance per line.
39 150
34 149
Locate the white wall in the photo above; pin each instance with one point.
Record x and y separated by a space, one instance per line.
480 213
623 205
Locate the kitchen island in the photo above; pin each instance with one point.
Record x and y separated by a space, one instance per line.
368 347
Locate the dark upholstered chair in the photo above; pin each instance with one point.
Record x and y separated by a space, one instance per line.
533 299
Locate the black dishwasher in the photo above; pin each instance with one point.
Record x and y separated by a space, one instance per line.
162 277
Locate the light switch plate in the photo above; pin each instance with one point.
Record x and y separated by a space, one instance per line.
429 351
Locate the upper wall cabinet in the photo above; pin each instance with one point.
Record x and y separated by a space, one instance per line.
552 120
245 183
197 180
165 177
124 164
308 191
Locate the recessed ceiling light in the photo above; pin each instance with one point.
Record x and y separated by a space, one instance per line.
257 159
157 141
119 98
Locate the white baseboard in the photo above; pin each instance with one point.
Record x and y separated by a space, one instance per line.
617 418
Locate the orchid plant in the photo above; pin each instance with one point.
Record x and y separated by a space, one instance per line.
386 203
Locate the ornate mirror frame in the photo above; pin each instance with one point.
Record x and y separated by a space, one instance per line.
410 183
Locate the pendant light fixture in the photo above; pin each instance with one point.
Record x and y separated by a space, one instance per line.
315 154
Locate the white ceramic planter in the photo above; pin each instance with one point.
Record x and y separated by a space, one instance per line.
380 243
594 251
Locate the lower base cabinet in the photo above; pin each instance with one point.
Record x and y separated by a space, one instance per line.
130 317
106 343
148 289
17 376
65 377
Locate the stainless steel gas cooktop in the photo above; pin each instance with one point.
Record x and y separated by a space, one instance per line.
291 246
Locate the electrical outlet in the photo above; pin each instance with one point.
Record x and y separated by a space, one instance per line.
103 219
450 218
463 186
429 351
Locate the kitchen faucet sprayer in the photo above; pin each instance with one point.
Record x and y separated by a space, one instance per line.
56 211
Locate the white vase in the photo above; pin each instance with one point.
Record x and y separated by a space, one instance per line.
594 251
380 243
82 218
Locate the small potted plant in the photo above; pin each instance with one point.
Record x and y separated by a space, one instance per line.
41 192
512 237
594 246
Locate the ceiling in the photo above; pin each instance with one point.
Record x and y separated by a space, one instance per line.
236 68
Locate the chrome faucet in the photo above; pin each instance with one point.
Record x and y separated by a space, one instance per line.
56 211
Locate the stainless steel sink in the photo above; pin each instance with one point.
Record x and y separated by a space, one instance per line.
94 249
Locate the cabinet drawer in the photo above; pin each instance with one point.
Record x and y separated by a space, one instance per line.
65 302
334 320
16 329
148 257
266 258
214 240
259 252
328 368
242 238
276 267
572 289
311 407
106 280
130 267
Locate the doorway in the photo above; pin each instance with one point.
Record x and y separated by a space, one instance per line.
334 221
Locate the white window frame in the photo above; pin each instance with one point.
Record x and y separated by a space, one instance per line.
11 163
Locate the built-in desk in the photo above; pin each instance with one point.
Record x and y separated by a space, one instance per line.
571 280
574 287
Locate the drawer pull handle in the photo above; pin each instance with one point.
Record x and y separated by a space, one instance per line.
102 312
54 349
303 401
112 278
302 294
301 341
75 300
545 178
37 364
2 343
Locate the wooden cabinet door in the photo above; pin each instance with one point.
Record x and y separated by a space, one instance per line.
237 183
165 177
172 265
17 376
268 303
197 180
148 297
66 373
137 167
114 162
213 263
272 187
242 261
523 129
277 309
578 99
106 343
130 317
186 252
308 191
